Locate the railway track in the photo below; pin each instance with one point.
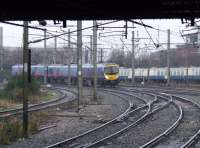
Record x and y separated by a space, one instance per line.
85 139
117 126
67 95
150 102
134 117
160 106
189 114
171 90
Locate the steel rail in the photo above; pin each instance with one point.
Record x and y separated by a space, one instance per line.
192 139
195 137
170 129
137 122
125 93
67 141
148 113
169 89
36 107
166 132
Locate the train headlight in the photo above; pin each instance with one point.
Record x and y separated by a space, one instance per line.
106 76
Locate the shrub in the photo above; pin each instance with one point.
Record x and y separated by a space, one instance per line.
13 89
10 130
17 82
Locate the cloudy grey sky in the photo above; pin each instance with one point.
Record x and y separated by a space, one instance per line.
12 35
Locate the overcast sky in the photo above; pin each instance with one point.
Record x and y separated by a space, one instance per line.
12 35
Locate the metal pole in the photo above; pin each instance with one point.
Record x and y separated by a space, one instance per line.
46 57
95 59
79 60
69 62
86 55
158 35
123 60
101 55
54 53
91 46
24 96
168 57
29 65
69 39
133 59
187 65
1 48
69 74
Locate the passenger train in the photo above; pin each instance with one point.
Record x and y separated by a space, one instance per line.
107 73
178 74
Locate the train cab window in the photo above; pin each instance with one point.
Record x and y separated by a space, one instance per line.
111 70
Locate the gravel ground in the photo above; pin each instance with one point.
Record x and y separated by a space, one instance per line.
196 145
147 130
105 131
66 126
197 100
188 126
195 97
145 97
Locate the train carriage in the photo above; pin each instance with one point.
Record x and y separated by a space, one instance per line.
107 73
159 74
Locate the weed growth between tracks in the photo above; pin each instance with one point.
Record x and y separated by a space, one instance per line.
11 128
13 90
11 95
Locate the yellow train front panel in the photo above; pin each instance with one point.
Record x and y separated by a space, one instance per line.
111 77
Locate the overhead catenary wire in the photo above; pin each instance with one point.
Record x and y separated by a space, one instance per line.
149 34
35 41
39 40
100 24
21 25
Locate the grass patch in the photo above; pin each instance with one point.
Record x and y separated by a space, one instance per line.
5 104
11 96
44 95
11 128
47 95
14 88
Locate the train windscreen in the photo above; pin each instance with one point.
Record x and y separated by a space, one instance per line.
111 70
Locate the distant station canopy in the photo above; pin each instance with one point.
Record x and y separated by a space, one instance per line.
98 9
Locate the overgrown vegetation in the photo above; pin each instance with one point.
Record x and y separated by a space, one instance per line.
11 96
11 128
14 88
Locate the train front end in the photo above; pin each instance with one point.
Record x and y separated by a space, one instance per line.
111 74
